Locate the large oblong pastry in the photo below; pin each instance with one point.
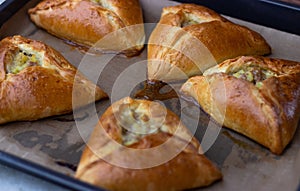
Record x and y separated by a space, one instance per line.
85 22
258 97
36 82
191 38
119 154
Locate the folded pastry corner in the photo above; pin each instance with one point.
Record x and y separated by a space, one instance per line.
261 97
191 38
36 82
140 145
118 24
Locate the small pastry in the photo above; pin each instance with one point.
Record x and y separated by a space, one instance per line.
258 97
140 145
85 22
36 82
190 39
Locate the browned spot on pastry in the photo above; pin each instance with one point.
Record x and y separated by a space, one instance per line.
190 38
85 23
36 82
186 169
259 97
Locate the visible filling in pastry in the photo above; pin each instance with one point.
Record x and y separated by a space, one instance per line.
21 61
190 19
136 122
253 74
102 4
96 1
188 23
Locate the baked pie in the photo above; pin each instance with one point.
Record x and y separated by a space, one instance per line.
119 24
140 145
191 38
258 97
36 82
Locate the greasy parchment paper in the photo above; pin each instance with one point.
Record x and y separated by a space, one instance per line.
245 165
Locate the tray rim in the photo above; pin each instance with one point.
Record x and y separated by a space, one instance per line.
261 12
283 4
9 7
45 173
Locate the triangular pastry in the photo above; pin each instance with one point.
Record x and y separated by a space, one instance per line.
191 38
36 82
85 22
140 145
258 97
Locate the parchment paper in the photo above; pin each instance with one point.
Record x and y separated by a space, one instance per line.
245 165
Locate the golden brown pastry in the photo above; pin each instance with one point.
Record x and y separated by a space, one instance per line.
190 39
140 145
85 22
36 82
255 96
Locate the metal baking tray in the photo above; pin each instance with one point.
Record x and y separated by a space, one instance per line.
271 13
51 148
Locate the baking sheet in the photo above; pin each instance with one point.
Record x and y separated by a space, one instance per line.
244 164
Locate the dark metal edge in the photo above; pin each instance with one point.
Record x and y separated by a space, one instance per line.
270 13
9 8
283 4
45 173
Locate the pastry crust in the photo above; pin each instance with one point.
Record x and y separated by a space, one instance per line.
85 22
265 110
190 39
36 82
187 169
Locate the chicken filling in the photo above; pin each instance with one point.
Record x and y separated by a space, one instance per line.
191 19
188 23
96 1
21 61
103 4
253 74
135 123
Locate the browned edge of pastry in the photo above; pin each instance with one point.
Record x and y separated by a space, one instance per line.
263 105
87 22
188 169
36 82
191 38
